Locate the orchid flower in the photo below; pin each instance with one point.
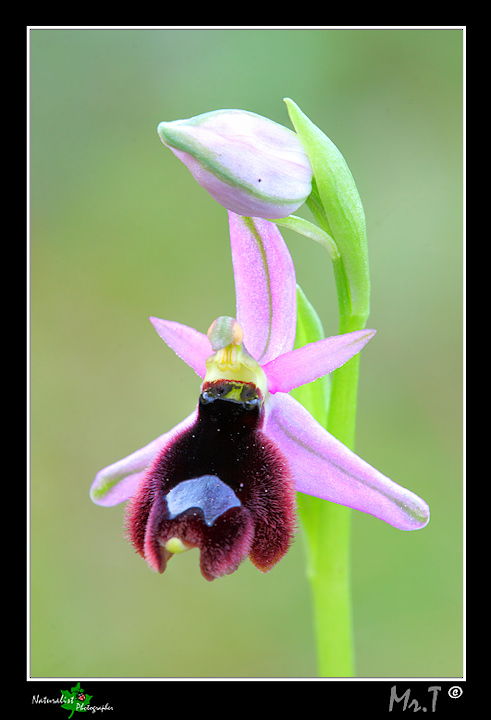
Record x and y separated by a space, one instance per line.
224 479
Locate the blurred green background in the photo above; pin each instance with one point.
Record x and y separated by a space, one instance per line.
121 231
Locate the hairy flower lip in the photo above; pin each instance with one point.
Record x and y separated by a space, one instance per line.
249 164
221 486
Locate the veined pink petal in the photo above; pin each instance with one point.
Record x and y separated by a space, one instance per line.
265 287
324 467
312 361
189 344
118 482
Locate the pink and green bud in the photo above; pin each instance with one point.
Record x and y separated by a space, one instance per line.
249 164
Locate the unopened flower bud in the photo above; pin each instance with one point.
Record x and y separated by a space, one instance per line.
249 164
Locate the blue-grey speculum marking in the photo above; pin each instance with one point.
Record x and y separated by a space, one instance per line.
208 493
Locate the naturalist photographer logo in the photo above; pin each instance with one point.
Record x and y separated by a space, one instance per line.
73 700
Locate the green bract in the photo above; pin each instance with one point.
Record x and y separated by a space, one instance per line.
337 207
314 396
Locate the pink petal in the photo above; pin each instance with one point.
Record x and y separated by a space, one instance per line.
324 467
189 344
265 287
118 482
312 361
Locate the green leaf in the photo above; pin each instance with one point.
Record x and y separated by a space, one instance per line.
72 701
344 218
315 395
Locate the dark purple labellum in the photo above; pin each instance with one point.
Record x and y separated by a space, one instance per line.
221 486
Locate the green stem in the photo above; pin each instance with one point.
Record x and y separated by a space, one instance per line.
328 539
327 525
